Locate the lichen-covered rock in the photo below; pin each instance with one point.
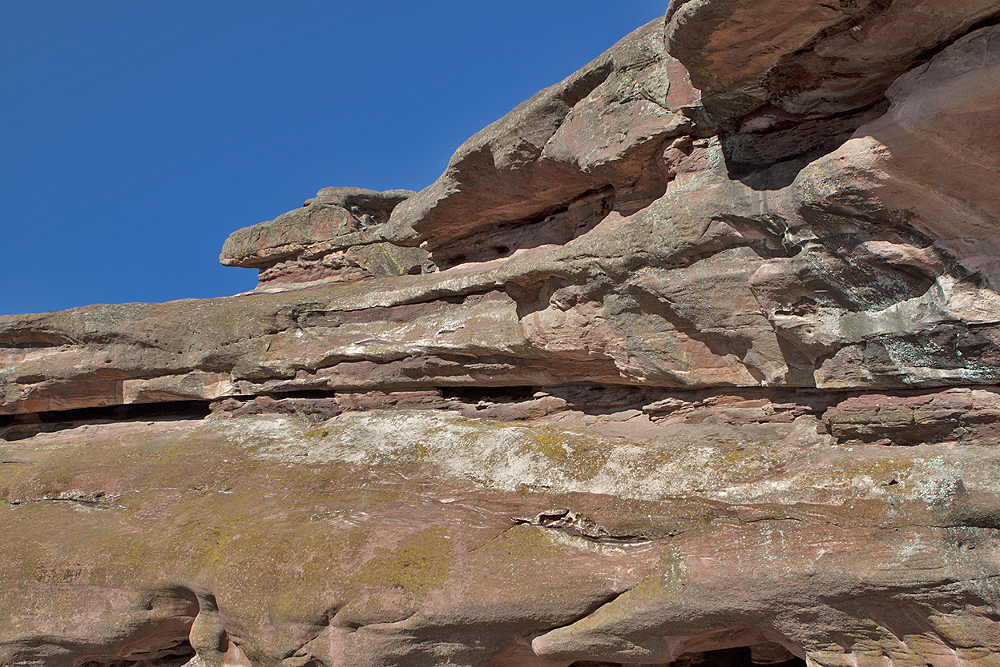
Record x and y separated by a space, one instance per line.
696 364
413 538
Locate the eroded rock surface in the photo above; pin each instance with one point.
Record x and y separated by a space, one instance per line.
337 236
688 360
402 537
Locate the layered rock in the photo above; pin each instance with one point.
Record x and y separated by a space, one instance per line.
689 359
829 282
337 236
787 80
558 163
402 537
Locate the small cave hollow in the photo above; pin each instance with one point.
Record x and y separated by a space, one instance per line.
178 654
499 394
761 655
23 426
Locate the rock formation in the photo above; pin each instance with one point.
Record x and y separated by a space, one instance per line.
690 359
335 236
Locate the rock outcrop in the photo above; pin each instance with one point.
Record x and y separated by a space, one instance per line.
336 236
690 359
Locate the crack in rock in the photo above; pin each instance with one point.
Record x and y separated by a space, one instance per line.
576 525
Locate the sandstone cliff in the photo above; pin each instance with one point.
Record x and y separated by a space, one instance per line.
689 359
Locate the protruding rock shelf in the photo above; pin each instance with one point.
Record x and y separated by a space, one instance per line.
691 359
337 236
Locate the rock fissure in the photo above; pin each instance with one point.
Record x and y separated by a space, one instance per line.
958 414
573 524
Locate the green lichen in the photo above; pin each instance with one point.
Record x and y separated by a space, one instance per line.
418 564
580 455
373 605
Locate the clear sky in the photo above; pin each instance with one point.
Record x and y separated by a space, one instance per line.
135 135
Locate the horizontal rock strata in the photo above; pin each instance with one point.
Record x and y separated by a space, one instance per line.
691 359
336 236
420 536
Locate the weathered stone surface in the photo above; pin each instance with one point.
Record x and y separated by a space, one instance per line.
605 126
691 369
335 237
828 282
415 538
792 80
931 161
807 57
955 415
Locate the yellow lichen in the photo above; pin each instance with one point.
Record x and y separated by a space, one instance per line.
418 564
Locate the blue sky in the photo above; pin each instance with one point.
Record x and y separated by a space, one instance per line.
135 135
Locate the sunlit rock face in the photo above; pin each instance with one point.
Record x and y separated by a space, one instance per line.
335 237
688 360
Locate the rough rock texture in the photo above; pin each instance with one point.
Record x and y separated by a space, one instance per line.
400 537
335 236
769 71
690 359
606 126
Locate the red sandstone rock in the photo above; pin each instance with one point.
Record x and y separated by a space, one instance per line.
335 237
696 366
605 126
394 535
